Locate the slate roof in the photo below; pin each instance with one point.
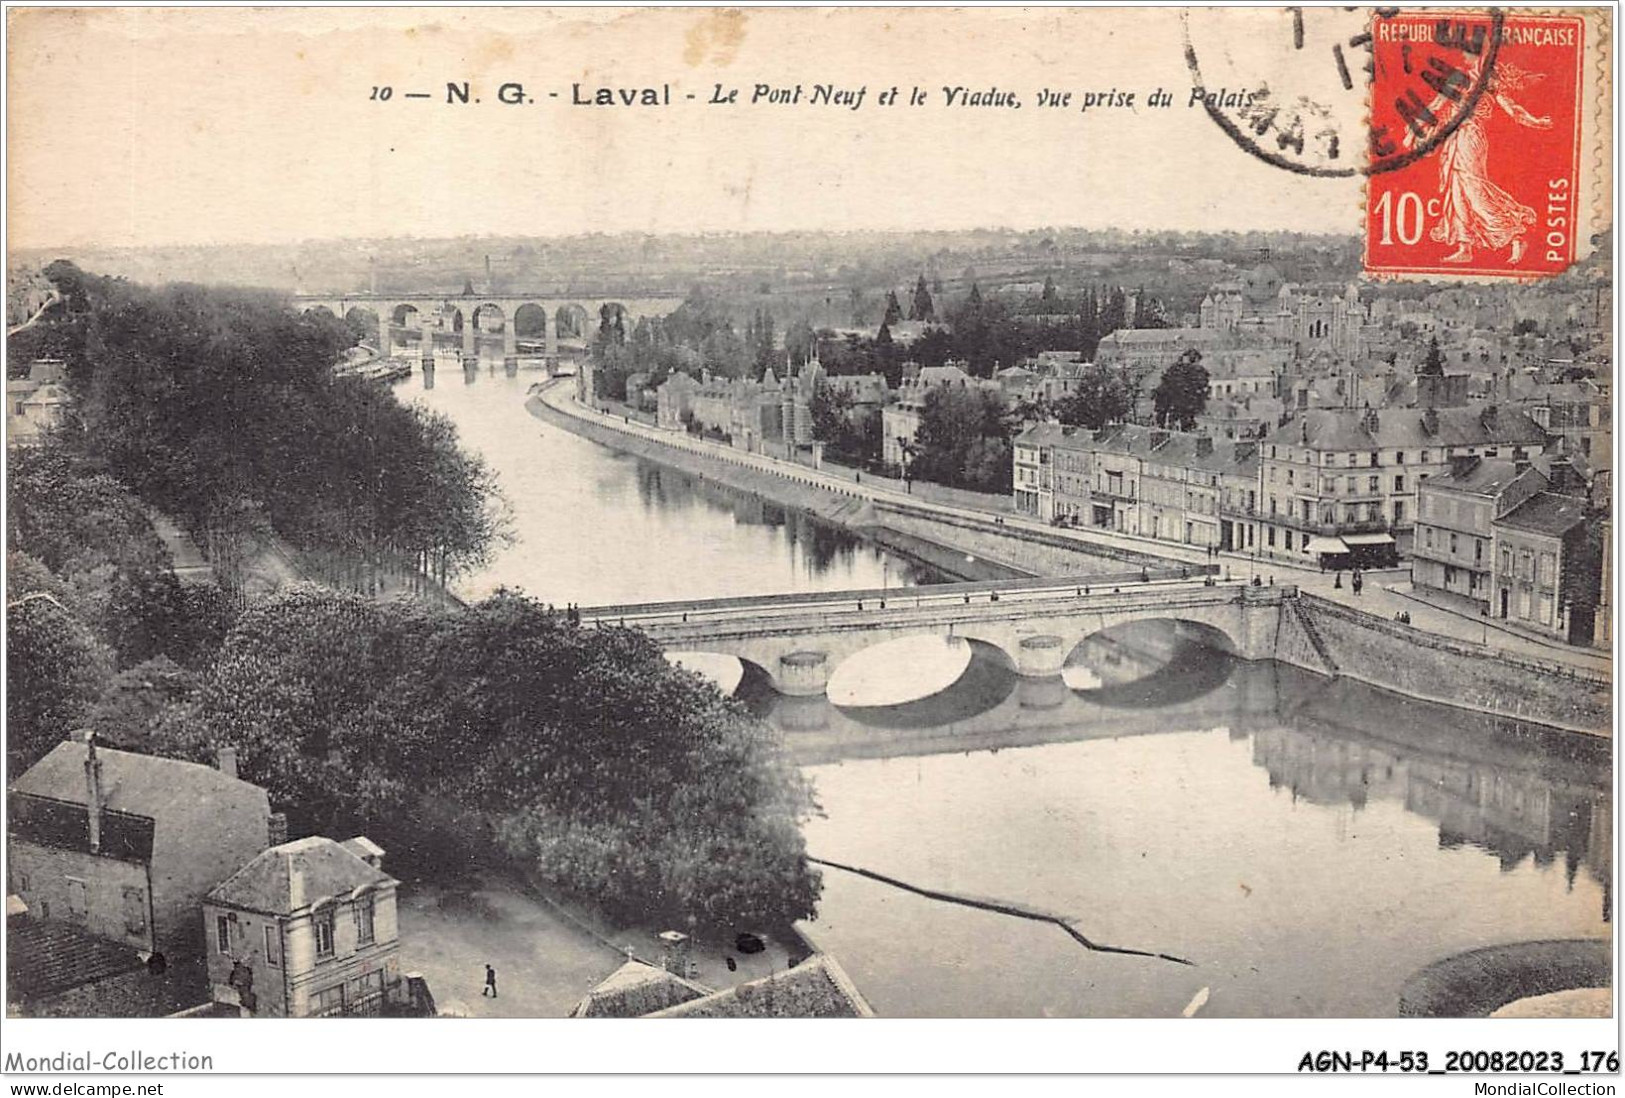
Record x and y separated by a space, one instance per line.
290 878
1484 477
636 989
816 988
141 785
1345 428
46 957
1546 513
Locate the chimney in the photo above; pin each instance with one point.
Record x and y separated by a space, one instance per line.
1560 475
93 793
1462 464
276 829
1204 445
226 760
674 952
1487 417
1370 421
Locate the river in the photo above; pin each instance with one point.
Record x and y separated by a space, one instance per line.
1306 844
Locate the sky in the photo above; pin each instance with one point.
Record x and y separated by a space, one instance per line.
142 127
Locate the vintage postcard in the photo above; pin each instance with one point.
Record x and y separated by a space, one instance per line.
932 513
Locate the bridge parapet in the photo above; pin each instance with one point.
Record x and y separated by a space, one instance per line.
800 644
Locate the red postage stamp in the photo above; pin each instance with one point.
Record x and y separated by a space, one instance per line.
1475 143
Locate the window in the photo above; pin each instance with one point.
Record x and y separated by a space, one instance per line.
1399 511
135 910
1452 541
1506 560
1425 457
1478 550
222 934
1399 457
323 924
1427 536
1375 459
273 946
363 919
1272 530
1373 484
1288 536
1399 484
328 1002
1353 460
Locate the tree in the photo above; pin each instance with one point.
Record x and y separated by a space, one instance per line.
1181 395
1100 398
55 671
612 775
1433 365
922 307
894 311
964 440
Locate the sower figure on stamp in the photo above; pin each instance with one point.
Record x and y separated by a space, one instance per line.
1476 213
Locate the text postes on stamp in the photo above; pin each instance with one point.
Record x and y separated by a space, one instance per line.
1492 105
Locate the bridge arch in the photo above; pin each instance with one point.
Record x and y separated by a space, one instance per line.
489 318
319 310
572 321
530 321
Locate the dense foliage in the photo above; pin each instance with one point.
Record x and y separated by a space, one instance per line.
964 440
1181 395
219 407
613 775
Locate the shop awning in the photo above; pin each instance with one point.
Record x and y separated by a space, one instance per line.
1368 539
1326 545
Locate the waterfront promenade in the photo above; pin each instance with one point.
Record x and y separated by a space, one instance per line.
1386 594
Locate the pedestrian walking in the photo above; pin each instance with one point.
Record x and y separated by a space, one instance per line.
490 983
1337 580
1357 582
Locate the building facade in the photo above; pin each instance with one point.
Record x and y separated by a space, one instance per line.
307 929
127 845
1339 484
1453 548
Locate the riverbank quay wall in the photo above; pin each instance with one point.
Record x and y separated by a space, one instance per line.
1391 655
965 547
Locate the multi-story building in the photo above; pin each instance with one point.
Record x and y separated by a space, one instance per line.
1339 485
672 401
125 845
307 929
900 421
1453 547
1543 571
1177 487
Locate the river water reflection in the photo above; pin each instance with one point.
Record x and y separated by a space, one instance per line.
596 527
1308 844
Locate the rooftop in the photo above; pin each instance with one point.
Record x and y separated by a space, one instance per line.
1546 513
297 875
816 988
636 989
1479 477
140 785
46 957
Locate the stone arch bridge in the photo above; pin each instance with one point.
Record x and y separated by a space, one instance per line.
552 317
799 640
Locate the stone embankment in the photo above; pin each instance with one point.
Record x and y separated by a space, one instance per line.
964 545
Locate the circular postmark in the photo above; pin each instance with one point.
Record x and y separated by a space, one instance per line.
1297 87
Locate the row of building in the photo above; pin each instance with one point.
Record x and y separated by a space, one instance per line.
1343 488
